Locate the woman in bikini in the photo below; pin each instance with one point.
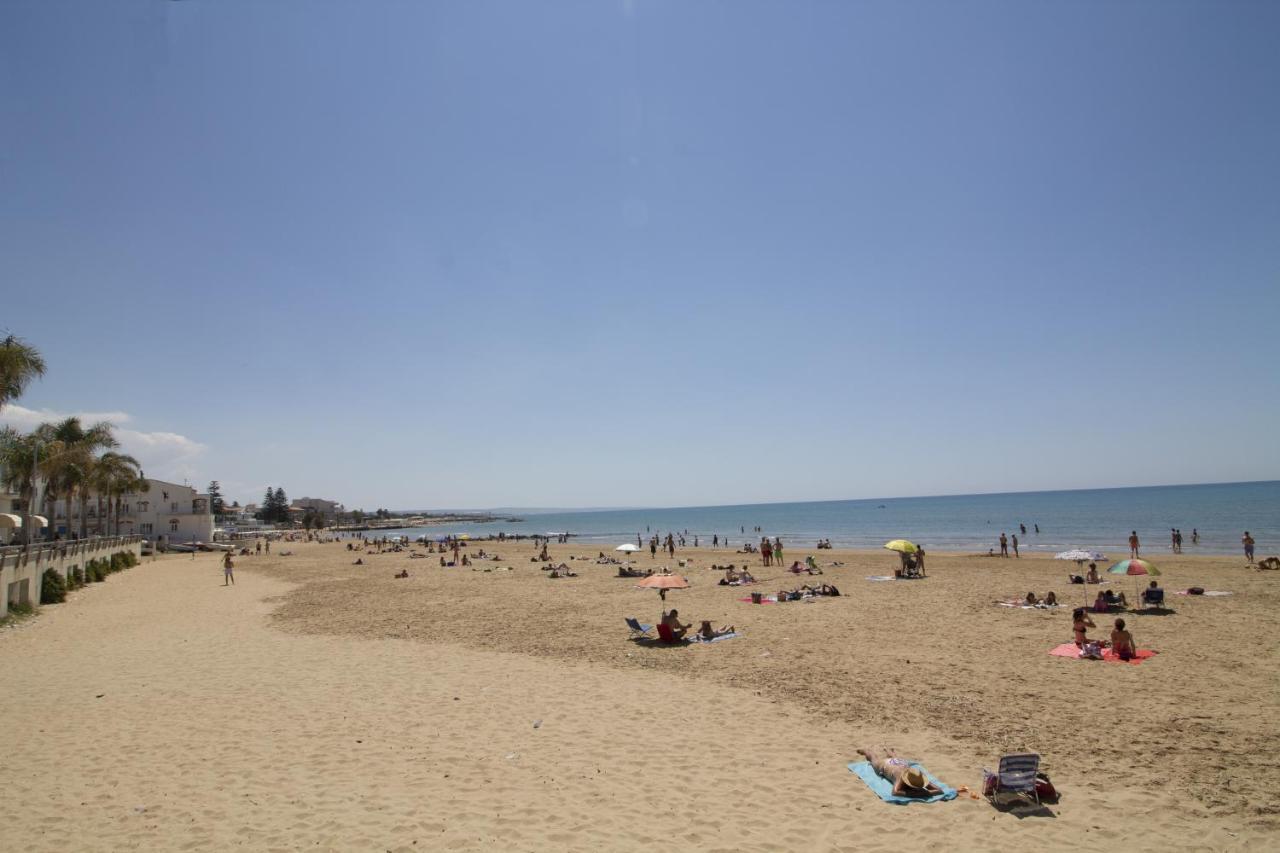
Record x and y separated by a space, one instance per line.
1081 624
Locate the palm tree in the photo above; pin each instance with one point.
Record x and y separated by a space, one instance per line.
18 458
19 364
114 474
72 454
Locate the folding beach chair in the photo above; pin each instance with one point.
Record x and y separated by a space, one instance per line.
638 630
1153 597
1016 775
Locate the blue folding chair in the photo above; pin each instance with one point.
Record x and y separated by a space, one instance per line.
1015 775
637 630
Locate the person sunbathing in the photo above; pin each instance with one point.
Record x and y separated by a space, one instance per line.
1092 576
907 781
1051 600
1122 642
706 632
678 629
1031 599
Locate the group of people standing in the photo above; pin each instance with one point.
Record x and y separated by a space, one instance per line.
771 552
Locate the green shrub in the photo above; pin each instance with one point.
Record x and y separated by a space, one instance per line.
54 588
94 571
21 609
116 563
77 577
131 559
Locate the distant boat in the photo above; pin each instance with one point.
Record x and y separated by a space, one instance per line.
880 507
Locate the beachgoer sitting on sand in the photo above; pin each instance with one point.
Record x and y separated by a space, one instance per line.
1080 625
812 565
1031 599
1122 642
404 573
1051 600
678 629
359 562
706 632
907 781
746 576
1092 576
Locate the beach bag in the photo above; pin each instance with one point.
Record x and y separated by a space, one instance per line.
1093 651
1196 590
1045 789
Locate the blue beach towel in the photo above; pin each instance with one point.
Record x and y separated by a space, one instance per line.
883 788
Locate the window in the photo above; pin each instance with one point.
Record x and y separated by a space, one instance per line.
143 506
173 507
173 525
145 528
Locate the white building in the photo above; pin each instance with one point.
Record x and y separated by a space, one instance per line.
329 510
167 512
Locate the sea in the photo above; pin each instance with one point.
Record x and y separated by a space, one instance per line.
1099 519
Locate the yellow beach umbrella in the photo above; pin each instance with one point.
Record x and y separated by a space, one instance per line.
902 546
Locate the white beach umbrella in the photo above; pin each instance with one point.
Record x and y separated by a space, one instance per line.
1079 555
627 548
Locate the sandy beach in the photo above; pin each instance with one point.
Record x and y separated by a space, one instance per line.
324 706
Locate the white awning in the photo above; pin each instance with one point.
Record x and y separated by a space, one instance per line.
10 520
40 520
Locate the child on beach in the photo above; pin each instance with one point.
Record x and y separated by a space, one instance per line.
1122 642
228 570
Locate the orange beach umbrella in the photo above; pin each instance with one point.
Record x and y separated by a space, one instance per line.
662 583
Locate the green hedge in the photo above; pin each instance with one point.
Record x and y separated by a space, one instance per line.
54 588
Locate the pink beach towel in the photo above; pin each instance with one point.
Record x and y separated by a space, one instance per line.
1071 650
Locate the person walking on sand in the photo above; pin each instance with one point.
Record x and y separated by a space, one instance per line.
1004 545
1247 541
259 548
1015 545
1133 545
228 570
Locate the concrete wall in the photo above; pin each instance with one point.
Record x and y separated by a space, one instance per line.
22 569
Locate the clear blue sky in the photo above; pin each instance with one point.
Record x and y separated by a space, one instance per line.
591 253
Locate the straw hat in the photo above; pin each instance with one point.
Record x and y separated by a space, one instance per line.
912 777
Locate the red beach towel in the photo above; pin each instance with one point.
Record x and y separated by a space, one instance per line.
1071 650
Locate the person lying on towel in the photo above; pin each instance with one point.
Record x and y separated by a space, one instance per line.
907 781
706 632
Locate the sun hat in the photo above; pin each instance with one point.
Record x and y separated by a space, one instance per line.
913 778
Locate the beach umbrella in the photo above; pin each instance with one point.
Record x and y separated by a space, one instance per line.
628 548
662 583
902 546
1081 556
1134 568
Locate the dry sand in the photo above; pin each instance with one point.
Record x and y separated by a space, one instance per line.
319 705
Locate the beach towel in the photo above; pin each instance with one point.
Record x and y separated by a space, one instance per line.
698 638
881 578
1022 606
883 788
764 599
1071 650
1214 592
